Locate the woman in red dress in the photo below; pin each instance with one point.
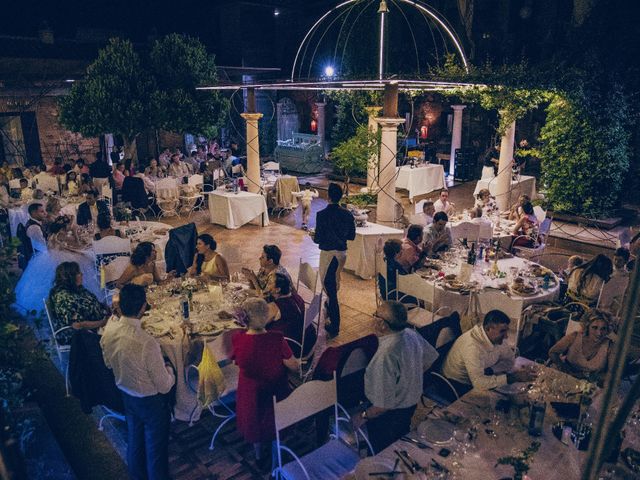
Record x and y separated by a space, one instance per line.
286 315
263 358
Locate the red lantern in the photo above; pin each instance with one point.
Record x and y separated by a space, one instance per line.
424 131
314 126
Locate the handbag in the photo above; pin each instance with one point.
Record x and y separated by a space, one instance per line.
472 315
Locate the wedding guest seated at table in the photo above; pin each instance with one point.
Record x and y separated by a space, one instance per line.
26 192
142 269
105 229
620 260
86 183
525 231
437 237
118 175
154 170
57 168
89 210
587 353
144 379
53 209
393 379
72 184
269 266
485 203
392 249
516 211
286 315
177 168
480 359
586 280
208 263
443 204
80 168
260 380
412 254
425 218
72 305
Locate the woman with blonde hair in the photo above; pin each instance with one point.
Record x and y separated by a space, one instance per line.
586 353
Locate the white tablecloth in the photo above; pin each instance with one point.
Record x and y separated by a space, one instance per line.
525 185
490 296
235 209
420 180
361 252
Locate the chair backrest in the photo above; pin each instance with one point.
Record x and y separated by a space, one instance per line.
419 205
485 230
115 268
47 183
48 310
312 312
415 286
356 361
308 399
221 346
195 180
468 230
540 213
545 227
236 169
168 183
307 276
442 333
111 244
334 359
181 248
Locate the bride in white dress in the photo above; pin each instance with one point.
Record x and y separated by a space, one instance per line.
37 279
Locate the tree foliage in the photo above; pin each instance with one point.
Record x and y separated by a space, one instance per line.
113 97
352 156
125 93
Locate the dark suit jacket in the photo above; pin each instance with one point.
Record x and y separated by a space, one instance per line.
84 212
334 226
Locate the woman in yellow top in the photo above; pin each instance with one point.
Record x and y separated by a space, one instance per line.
207 262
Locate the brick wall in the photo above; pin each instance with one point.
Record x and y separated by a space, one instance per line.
54 139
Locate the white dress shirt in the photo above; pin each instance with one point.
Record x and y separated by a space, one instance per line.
472 354
135 358
447 207
38 242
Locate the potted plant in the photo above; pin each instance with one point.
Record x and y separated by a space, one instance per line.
353 155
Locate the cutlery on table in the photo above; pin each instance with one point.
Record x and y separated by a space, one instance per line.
405 462
416 466
415 442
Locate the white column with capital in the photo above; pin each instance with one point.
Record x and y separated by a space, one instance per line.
321 125
503 180
253 151
456 137
386 210
374 161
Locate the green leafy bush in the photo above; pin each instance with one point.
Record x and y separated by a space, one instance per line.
585 153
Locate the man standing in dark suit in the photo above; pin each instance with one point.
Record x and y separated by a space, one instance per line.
334 227
88 211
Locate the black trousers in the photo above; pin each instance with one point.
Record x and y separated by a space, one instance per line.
331 288
147 436
389 427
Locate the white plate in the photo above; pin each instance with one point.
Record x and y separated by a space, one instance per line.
437 431
374 464
512 388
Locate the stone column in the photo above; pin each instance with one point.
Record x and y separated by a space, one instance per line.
253 151
374 162
456 137
503 180
321 125
386 211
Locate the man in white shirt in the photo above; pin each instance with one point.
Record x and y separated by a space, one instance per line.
443 204
34 228
425 218
143 378
480 359
437 236
177 168
393 379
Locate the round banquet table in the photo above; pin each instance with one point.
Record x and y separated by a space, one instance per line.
19 213
491 292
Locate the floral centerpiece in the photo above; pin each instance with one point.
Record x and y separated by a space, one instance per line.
122 212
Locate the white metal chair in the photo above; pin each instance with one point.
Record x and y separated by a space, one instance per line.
61 350
413 285
468 230
167 197
540 213
221 348
308 277
112 257
311 317
332 460
107 195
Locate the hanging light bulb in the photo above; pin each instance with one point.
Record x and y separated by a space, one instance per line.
383 7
